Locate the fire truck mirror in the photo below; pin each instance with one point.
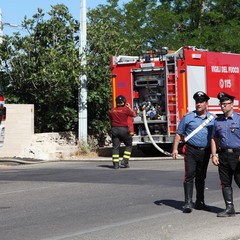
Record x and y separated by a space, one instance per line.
2 113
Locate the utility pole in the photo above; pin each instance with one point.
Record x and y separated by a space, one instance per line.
82 101
1 27
3 24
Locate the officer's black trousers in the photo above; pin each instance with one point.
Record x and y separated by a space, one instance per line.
196 164
229 167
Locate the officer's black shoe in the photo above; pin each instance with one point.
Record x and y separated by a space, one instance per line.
199 205
125 164
228 212
187 208
116 165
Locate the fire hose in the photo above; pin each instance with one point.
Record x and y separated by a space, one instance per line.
150 136
209 119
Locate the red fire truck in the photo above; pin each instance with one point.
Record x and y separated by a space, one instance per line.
164 82
2 119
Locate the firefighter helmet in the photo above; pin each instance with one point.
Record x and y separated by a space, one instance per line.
120 100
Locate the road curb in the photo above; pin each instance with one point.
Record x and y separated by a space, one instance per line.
95 159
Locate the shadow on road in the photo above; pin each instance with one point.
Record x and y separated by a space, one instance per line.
110 166
178 205
106 166
144 150
171 203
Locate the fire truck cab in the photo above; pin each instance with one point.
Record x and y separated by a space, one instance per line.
164 82
2 119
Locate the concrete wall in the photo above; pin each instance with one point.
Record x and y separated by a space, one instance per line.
19 129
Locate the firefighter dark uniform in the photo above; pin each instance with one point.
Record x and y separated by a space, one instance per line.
196 151
226 139
120 131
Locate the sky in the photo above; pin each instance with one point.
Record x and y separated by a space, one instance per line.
13 11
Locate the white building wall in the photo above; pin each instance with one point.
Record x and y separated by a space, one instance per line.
19 129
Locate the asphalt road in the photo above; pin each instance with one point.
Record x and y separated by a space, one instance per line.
89 200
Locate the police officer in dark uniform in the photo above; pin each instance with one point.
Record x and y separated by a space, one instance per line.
120 131
226 141
196 151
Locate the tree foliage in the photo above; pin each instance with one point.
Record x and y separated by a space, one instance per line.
43 67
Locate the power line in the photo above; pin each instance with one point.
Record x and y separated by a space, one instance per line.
4 24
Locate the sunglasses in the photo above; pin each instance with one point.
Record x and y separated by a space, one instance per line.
225 104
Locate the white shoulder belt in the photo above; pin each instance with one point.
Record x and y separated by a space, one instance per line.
209 119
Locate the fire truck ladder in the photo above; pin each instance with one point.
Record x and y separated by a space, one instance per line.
171 93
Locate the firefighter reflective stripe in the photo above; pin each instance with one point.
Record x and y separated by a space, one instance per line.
115 157
126 155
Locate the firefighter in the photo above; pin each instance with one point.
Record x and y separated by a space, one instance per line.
196 151
226 140
120 131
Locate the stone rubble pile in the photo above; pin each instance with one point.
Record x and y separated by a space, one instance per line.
51 146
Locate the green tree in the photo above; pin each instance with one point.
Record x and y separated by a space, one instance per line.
104 40
208 24
43 69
